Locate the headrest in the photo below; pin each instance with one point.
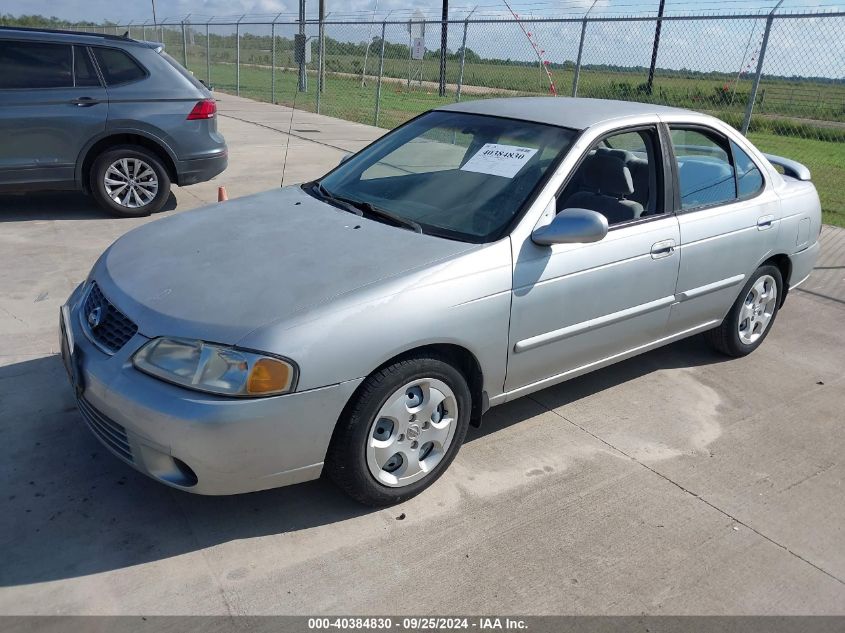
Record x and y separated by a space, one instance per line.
619 153
608 175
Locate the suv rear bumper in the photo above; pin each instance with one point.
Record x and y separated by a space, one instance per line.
190 172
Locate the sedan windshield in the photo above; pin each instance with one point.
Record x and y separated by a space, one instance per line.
462 176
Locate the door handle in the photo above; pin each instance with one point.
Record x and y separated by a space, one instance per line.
85 102
765 222
663 248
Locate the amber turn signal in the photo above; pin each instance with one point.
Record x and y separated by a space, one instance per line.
269 375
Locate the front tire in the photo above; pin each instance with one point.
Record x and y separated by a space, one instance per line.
401 431
129 181
752 315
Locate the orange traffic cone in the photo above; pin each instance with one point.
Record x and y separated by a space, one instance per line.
222 196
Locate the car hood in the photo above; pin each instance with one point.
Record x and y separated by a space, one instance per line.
220 272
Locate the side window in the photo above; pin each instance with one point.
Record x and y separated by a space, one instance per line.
117 67
705 172
618 178
35 65
83 69
749 180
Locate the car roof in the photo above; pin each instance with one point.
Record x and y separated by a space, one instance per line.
70 37
568 112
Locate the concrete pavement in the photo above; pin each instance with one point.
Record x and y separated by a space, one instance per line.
676 482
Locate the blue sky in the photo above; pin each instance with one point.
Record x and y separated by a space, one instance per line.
805 47
140 10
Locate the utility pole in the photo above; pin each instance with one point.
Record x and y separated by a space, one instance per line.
650 82
154 12
321 65
444 32
302 43
369 41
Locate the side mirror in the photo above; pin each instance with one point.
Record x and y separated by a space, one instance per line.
345 157
572 226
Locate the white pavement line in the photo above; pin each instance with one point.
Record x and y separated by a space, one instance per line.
694 494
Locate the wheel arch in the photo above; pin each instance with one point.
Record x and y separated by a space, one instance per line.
782 262
456 355
90 154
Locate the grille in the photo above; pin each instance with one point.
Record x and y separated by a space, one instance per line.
108 431
114 328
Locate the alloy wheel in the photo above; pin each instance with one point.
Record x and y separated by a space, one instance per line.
131 182
758 309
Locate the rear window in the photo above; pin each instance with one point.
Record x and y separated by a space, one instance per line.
118 67
182 70
35 65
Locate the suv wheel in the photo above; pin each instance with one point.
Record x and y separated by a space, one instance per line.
129 181
401 432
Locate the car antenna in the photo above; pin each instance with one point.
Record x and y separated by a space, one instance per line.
290 129
292 110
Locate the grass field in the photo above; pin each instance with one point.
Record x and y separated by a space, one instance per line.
345 98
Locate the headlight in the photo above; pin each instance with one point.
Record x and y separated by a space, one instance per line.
215 368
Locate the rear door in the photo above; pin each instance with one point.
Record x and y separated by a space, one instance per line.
51 104
728 221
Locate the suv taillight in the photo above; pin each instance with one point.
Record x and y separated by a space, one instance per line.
205 109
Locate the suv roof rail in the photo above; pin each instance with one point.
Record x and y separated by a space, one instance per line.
30 29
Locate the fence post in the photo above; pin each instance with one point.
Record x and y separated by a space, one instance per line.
380 73
578 60
749 107
208 54
463 60
238 58
129 30
184 45
577 75
145 32
410 53
273 63
161 31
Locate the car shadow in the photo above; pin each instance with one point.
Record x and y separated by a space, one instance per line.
57 205
72 509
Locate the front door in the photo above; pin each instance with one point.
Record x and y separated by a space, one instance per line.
575 306
51 105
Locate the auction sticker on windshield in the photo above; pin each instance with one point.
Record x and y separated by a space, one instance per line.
499 160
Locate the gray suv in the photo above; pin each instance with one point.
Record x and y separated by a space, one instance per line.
117 118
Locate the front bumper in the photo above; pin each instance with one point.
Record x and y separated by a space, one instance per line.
194 441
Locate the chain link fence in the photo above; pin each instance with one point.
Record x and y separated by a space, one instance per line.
778 77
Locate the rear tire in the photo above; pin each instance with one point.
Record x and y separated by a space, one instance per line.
752 315
401 431
129 181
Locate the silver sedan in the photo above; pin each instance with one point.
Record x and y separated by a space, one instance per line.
358 324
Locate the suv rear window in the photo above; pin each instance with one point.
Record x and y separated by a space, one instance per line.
187 74
118 67
35 65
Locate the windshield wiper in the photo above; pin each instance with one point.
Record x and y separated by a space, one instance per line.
387 215
359 207
347 205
